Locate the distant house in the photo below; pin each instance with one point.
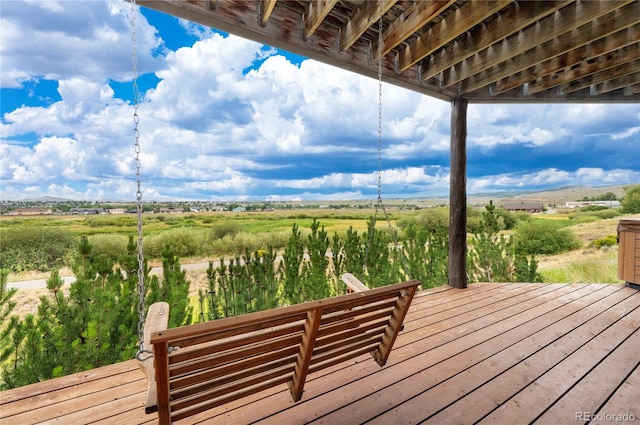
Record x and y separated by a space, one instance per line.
31 211
239 209
580 204
526 206
116 211
86 211
170 210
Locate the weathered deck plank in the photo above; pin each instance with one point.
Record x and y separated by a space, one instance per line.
491 352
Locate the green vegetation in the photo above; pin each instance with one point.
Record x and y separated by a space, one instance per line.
593 213
610 240
7 322
602 269
272 260
494 257
92 325
544 237
631 200
609 196
35 248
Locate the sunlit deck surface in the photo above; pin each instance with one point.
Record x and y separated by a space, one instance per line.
492 353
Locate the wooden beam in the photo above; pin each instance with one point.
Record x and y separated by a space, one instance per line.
365 17
467 16
513 19
633 88
266 8
315 14
413 19
512 62
528 42
623 38
632 81
591 66
602 76
458 195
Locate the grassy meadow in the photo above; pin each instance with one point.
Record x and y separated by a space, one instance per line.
210 236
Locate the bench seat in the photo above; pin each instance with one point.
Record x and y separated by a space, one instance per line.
205 365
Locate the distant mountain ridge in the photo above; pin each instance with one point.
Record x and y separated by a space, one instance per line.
555 195
559 194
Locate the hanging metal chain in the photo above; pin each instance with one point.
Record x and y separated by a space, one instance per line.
379 203
140 355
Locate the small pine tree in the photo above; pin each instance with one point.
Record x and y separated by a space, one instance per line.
494 257
95 324
291 266
7 322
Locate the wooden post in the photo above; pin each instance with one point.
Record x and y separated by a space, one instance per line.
458 195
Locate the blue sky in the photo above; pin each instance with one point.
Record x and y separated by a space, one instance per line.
223 118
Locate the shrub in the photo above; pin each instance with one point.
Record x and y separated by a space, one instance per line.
509 219
224 228
544 237
183 241
594 214
110 245
611 240
631 200
35 248
522 216
583 218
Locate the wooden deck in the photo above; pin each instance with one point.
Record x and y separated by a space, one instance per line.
492 353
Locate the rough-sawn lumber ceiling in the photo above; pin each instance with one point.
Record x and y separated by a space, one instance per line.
483 50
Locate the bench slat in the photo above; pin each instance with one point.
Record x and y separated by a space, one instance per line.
334 360
191 383
235 355
321 342
234 342
227 398
238 386
369 335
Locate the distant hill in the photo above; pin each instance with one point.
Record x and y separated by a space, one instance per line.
549 196
49 199
573 193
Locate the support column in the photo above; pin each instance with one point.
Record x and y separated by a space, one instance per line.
458 195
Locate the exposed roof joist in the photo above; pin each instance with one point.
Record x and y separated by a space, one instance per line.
484 50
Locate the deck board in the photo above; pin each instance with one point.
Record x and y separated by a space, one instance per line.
492 352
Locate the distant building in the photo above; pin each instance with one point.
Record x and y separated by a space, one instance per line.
116 211
170 210
239 209
580 204
526 206
86 211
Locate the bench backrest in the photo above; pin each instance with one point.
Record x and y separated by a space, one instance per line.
230 358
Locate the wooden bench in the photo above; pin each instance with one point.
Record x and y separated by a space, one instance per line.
201 366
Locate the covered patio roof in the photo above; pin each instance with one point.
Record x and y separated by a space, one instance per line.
472 51
483 50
